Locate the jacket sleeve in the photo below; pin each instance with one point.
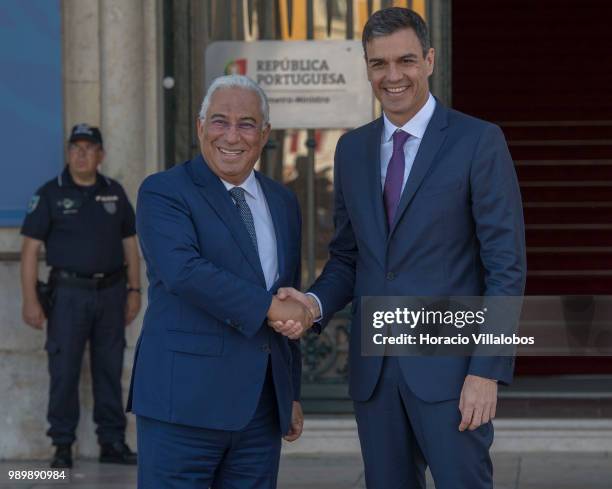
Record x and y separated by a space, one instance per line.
334 287
170 246
498 216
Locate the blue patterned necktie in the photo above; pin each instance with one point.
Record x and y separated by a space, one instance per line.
237 194
395 175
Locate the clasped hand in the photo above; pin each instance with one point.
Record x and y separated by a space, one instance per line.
292 313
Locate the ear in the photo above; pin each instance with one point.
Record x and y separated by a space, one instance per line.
266 134
101 157
367 67
430 60
200 130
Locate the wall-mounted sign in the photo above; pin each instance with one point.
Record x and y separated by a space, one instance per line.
309 84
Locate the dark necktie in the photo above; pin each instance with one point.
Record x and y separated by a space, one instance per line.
395 175
237 194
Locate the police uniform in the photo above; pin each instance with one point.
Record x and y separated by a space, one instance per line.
83 228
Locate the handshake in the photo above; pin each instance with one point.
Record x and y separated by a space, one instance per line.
292 312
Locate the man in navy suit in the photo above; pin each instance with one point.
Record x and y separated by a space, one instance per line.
426 204
213 386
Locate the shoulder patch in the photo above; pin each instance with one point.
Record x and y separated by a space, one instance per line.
33 203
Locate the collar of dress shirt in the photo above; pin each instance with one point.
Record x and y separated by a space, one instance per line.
415 126
249 185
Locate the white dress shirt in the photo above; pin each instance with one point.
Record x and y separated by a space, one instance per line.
416 128
264 227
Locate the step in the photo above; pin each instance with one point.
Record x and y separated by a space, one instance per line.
562 192
338 434
521 150
543 261
558 172
568 215
586 237
568 285
508 111
558 132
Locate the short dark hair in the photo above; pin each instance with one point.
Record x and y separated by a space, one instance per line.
393 19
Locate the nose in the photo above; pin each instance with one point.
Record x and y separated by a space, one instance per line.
393 73
231 134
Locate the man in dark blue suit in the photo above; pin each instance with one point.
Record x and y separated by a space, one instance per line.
426 204
213 386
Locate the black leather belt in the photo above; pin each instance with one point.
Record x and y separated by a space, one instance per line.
93 281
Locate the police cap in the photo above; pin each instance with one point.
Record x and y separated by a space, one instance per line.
85 132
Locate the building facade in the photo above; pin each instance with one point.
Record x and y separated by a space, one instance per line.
136 69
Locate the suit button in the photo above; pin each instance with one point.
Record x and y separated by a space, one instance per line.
233 324
266 348
390 276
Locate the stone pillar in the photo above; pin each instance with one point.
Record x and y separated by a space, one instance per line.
122 90
130 119
153 92
81 62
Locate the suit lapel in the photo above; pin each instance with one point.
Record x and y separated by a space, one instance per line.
372 154
432 141
213 190
279 219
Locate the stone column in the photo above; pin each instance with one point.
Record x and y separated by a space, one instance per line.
122 90
153 96
81 62
129 110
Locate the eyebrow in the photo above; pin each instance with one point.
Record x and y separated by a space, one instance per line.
242 119
403 56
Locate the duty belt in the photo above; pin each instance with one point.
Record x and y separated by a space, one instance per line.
93 281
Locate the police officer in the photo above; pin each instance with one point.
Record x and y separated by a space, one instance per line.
87 226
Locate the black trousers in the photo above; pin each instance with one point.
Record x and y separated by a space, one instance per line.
79 316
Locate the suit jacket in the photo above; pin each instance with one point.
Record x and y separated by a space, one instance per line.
458 231
202 355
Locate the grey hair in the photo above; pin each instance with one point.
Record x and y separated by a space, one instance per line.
236 81
390 20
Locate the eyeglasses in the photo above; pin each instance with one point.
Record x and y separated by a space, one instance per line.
244 127
90 148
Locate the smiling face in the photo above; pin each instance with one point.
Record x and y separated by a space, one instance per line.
233 133
399 73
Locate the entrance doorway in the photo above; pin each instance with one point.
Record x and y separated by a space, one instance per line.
542 71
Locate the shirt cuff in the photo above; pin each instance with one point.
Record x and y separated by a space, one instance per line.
316 320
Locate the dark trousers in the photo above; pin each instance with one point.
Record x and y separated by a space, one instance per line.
79 316
401 435
173 456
